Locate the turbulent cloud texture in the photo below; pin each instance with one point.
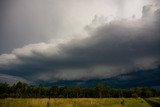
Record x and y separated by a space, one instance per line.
111 48
26 21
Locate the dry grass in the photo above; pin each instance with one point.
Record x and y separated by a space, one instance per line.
69 102
154 99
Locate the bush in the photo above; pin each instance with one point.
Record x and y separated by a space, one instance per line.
134 95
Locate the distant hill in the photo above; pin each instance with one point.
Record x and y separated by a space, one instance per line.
149 78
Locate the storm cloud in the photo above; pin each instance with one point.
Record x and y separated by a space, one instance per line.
111 48
26 22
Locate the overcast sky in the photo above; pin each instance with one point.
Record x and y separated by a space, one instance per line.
55 40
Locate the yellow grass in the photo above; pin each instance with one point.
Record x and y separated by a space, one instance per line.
73 102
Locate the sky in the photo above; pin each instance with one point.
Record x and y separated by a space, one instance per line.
54 40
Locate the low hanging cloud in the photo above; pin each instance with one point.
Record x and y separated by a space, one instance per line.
111 48
11 79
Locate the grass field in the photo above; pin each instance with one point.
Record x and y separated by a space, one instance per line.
80 102
154 99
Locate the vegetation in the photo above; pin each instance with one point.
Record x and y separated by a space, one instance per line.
73 102
155 99
23 90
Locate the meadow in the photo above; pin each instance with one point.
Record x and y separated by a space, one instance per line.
73 102
154 99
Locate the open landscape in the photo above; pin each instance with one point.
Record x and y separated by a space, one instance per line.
79 53
24 95
76 102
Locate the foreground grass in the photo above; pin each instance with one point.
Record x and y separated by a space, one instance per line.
154 99
79 102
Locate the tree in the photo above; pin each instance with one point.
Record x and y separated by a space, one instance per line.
99 89
23 90
134 95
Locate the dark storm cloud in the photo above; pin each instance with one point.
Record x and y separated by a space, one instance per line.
113 48
11 79
24 22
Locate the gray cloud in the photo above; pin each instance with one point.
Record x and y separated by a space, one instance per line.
11 79
112 48
25 22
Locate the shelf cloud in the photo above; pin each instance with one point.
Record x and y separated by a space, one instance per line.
110 48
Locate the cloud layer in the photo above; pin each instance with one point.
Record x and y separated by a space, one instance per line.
111 48
26 22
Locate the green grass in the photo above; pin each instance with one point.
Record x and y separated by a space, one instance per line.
79 102
154 99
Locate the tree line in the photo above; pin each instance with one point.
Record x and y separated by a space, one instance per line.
23 90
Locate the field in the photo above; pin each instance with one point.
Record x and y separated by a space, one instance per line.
154 102
79 102
155 99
